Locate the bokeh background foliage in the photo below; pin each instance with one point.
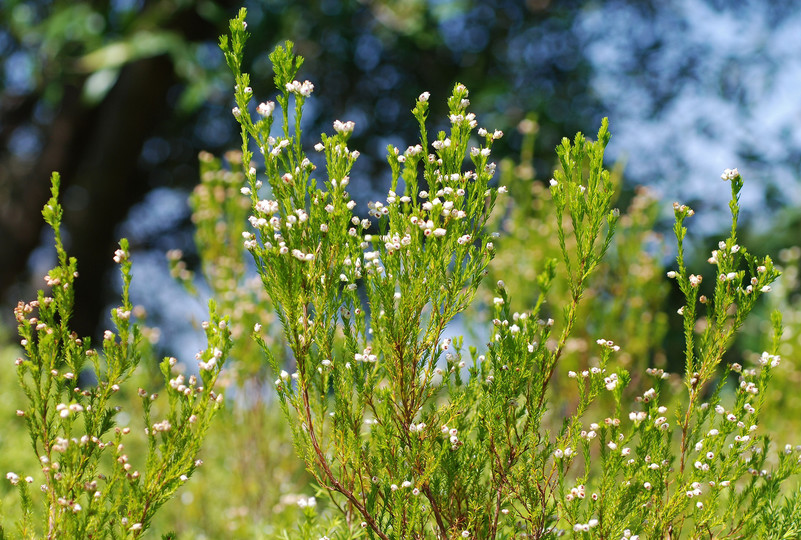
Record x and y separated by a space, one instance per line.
121 96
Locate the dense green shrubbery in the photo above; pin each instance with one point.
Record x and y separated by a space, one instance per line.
566 422
92 487
412 439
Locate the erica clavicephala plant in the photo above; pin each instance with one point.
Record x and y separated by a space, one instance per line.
91 486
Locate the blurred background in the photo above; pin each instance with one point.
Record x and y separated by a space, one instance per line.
121 96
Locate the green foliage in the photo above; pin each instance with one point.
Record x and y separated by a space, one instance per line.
91 487
626 299
410 437
76 40
780 522
220 218
564 423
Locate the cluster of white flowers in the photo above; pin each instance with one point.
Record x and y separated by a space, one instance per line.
683 209
695 280
299 255
120 255
658 373
437 206
722 252
266 109
267 207
51 281
585 527
162 426
638 416
729 174
377 209
177 384
304 502
283 377
277 147
608 344
453 436
469 118
586 373
216 355
749 387
495 135
394 242
413 151
772 360
731 276
344 127
662 423
366 355
65 410
475 151
559 453
304 88
342 150
372 263
695 491
250 242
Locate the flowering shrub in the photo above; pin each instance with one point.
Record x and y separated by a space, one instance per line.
219 216
626 298
565 423
412 436
92 488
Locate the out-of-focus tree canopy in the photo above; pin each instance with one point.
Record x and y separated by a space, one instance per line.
100 91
